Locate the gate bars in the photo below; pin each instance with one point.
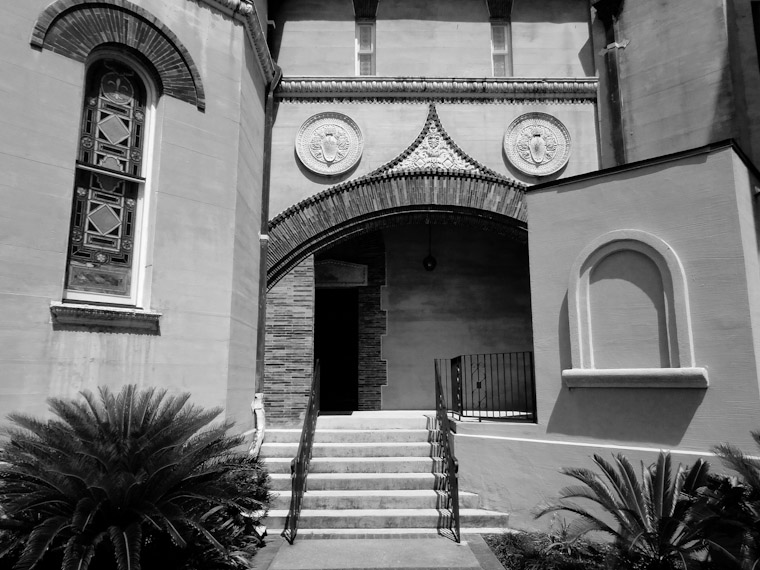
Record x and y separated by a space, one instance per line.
492 386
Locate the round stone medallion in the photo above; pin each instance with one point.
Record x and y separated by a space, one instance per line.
329 143
537 144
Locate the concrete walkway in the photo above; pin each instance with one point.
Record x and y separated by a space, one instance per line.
418 553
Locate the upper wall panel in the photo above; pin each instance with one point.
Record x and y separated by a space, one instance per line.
449 38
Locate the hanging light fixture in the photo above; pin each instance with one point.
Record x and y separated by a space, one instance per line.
429 262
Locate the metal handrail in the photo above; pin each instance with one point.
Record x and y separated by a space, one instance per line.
451 485
299 467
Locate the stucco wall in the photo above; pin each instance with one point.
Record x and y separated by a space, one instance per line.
518 474
700 206
388 129
692 205
475 301
204 198
451 38
674 97
745 75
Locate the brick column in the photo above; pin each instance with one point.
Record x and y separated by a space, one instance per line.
289 359
372 326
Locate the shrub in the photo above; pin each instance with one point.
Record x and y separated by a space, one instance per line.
653 527
138 479
731 510
542 551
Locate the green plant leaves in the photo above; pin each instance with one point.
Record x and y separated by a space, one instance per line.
112 474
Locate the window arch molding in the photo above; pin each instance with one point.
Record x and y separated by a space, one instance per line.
64 26
683 371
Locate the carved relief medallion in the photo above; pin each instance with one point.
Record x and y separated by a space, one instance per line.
537 144
329 143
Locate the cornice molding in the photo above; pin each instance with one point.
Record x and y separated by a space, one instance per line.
385 89
245 11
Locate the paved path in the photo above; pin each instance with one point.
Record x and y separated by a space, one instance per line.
422 553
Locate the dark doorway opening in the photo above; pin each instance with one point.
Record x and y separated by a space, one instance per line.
336 345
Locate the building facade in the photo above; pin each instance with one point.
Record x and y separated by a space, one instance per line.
208 195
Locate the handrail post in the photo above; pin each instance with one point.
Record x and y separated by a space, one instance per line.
451 485
299 466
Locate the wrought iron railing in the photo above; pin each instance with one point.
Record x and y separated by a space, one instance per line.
490 386
450 463
299 467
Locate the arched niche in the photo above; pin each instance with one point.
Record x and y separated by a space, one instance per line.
654 271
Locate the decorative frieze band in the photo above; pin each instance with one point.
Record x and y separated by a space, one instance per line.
376 89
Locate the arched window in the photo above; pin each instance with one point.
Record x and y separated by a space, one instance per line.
109 204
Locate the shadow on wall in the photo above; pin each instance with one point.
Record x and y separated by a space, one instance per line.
634 415
656 416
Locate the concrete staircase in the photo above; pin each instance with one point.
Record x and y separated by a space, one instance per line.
371 472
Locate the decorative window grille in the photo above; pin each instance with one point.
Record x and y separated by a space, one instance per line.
365 48
104 219
501 43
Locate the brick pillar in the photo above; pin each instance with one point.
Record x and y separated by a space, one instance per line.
289 359
372 326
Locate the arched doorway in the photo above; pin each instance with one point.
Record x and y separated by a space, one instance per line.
309 316
479 218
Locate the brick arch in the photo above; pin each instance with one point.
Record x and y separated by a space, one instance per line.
488 202
74 28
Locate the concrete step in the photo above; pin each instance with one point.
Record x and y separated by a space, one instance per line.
370 481
356 465
360 481
286 435
372 435
388 518
282 435
375 420
376 499
396 449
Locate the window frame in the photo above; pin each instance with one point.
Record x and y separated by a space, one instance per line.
139 285
506 52
372 51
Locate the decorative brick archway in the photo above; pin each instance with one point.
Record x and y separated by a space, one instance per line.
378 202
432 182
74 28
420 182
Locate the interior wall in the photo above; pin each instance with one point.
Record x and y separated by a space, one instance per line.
477 300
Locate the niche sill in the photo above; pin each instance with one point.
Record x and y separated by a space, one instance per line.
695 378
98 318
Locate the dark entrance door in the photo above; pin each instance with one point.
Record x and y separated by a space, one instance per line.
336 345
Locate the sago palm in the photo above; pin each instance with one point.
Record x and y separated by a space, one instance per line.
106 475
734 503
648 519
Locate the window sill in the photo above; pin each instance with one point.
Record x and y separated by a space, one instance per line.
695 378
98 318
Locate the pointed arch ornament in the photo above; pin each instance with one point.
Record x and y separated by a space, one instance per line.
432 180
74 28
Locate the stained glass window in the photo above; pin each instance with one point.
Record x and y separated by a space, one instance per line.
108 179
